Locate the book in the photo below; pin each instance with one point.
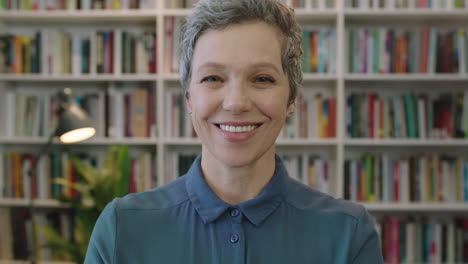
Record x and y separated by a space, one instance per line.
415 178
72 5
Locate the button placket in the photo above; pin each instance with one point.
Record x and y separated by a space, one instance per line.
234 238
235 212
236 216
237 237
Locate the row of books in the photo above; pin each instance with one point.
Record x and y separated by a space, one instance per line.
407 4
131 112
424 240
179 163
312 170
15 181
121 112
20 54
319 47
180 3
60 52
34 113
172 28
382 50
298 3
143 173
128 4
309 169
179 122
408 115
417 50
17 236
139 52
422 178
292 3
36 5
314 117
314 4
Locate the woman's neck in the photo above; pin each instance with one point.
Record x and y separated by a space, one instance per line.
237 185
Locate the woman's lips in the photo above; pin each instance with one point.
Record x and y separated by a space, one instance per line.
235 137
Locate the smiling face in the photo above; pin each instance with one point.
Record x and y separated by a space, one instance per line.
238 94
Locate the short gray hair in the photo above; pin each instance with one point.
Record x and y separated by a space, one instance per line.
218 14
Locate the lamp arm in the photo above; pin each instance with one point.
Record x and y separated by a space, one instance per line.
44 149
32 172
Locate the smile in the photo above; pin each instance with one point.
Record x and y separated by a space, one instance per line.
237 129
236 132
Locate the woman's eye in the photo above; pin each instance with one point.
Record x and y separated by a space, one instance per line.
211 79
265 79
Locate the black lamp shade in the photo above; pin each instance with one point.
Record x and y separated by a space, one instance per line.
74 124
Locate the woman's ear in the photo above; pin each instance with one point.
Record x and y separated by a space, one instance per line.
188 104
291 109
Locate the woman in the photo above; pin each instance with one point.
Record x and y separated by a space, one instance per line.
240 68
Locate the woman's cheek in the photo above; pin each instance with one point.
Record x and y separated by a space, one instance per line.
206 106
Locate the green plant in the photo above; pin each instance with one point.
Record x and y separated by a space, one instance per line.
97 189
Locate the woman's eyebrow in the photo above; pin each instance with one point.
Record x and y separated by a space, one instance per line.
220 66
266 65
210 65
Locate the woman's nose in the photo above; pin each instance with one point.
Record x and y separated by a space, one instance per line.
236 99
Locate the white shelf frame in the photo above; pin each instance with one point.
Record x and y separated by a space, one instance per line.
37 203
93 141
92 16
337 18
29 262
412 77
417 207
80 78
407 142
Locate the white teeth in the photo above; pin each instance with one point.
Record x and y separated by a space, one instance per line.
237 129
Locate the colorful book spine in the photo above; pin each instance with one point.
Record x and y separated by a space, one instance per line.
319 54
428 50
437 178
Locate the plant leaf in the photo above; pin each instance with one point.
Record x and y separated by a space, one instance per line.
99 187
81 188
89 173
58 244
124 162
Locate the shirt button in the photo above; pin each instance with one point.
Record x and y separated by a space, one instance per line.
235 212
234 238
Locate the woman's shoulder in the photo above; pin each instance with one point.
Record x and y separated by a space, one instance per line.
305 198
163 197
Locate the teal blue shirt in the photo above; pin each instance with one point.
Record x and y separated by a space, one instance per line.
185 222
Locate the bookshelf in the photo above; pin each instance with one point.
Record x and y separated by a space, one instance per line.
312 14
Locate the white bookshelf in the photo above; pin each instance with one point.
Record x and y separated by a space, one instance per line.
93 141
407 142
38 203
406 15
87 16
338 84
71 78
338 18
306 142
417 208
27 262
411 77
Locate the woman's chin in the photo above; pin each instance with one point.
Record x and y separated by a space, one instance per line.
238 163
240 159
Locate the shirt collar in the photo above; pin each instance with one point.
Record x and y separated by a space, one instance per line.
209 206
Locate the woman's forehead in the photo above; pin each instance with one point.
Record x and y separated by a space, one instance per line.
255 43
